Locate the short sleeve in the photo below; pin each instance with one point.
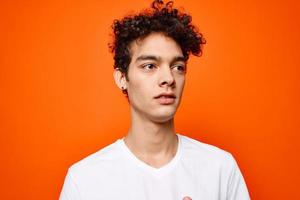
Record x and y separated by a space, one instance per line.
237 189
70 190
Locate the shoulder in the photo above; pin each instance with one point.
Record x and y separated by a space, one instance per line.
205 153
99 162
216 163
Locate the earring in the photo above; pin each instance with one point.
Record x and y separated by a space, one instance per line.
124 91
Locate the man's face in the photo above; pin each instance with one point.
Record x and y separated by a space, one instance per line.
156 76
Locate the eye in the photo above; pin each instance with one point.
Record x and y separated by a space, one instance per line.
180 68
148 66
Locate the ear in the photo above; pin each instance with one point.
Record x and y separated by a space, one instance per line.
120 79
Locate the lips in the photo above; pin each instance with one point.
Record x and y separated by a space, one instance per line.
165 95
166 98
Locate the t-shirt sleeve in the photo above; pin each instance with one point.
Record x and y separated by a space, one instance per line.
70 189
237 189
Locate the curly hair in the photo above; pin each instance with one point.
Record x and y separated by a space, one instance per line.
161 17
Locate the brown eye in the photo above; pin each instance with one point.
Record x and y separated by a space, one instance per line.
148 67
179 68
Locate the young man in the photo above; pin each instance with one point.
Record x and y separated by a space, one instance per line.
153 162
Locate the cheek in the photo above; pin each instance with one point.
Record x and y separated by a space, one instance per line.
180 83
183 84
140 90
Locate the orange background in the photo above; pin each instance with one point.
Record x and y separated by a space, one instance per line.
59 103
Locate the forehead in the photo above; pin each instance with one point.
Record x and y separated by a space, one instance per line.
155 44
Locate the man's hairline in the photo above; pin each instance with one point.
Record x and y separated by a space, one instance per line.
130 44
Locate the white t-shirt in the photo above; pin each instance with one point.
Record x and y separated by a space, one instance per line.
199 171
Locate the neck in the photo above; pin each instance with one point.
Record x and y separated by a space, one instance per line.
154 143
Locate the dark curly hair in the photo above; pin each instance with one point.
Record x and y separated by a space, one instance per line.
161 17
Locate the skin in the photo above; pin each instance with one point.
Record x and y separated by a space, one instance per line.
156 66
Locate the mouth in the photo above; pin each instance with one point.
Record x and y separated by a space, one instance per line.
166 95
166 99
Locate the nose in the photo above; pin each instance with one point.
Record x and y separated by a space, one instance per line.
166 77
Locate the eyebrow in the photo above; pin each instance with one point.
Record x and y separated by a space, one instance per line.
148 57
156 58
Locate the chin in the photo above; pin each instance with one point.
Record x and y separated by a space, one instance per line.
162 120
163 116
